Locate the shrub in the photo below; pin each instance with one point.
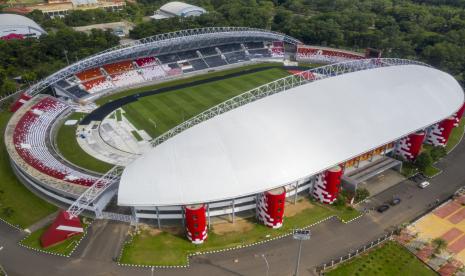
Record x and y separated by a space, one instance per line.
361 194
439 244
437 153
423 161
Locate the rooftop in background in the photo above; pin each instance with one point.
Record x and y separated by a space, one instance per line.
175 8
18 25
60 8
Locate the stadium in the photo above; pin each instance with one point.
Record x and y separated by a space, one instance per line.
203 123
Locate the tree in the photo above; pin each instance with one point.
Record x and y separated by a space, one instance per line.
423 161
437 153
361 194
439 244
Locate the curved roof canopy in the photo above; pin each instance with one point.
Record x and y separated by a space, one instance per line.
180 8
9 21
290 135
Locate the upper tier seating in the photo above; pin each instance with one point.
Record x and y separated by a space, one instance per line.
253 45
97 85
277 52
130 72
210 51
198 64
152 73
89 74
118 67
30 136
168 58
215 61
77 91
229 48
187 55
147 61
236 57
126 78
325 55
259 53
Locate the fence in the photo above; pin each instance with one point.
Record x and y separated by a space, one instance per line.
321 268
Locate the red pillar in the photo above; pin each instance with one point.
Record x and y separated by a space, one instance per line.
328 185
440 132
270 207
19 102
409 147
63 227
196 223
458 115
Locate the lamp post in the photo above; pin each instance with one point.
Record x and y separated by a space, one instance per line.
267 264
300 235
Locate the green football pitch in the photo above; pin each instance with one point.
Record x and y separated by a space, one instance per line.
159 113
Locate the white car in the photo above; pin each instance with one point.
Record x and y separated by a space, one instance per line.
423 184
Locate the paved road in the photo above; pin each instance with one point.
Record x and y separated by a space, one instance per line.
330 239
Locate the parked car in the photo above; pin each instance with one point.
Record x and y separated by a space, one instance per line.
383 208
423 184
395 201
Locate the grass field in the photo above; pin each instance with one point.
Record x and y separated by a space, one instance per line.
159 113
64 248
456 136
171 249
389 259
182 81
70 149
18 205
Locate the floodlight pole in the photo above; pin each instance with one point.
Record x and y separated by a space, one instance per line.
300 235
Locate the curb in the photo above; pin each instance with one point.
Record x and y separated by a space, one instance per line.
225 249
20 243
11 225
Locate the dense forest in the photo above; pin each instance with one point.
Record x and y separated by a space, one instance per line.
429 30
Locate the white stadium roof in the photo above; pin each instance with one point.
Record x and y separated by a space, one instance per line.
9 21
290 135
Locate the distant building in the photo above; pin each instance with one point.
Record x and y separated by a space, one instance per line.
60 8
177 9
13 26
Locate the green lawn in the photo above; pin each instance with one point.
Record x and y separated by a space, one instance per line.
137 135
181 81
455 136
159 113
64 248
119 117
170 249
389 259
431 171
70 149
18 205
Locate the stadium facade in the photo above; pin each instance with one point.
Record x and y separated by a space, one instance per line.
302 134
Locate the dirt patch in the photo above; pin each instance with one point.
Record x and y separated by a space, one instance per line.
240 225
293 209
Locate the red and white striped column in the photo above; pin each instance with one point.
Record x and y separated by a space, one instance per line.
196 223
328 185
410 146
270 207
439 133
63 227
458 115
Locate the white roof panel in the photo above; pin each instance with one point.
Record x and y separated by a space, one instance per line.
290 135
8 20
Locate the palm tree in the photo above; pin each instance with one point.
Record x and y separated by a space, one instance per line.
439 245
